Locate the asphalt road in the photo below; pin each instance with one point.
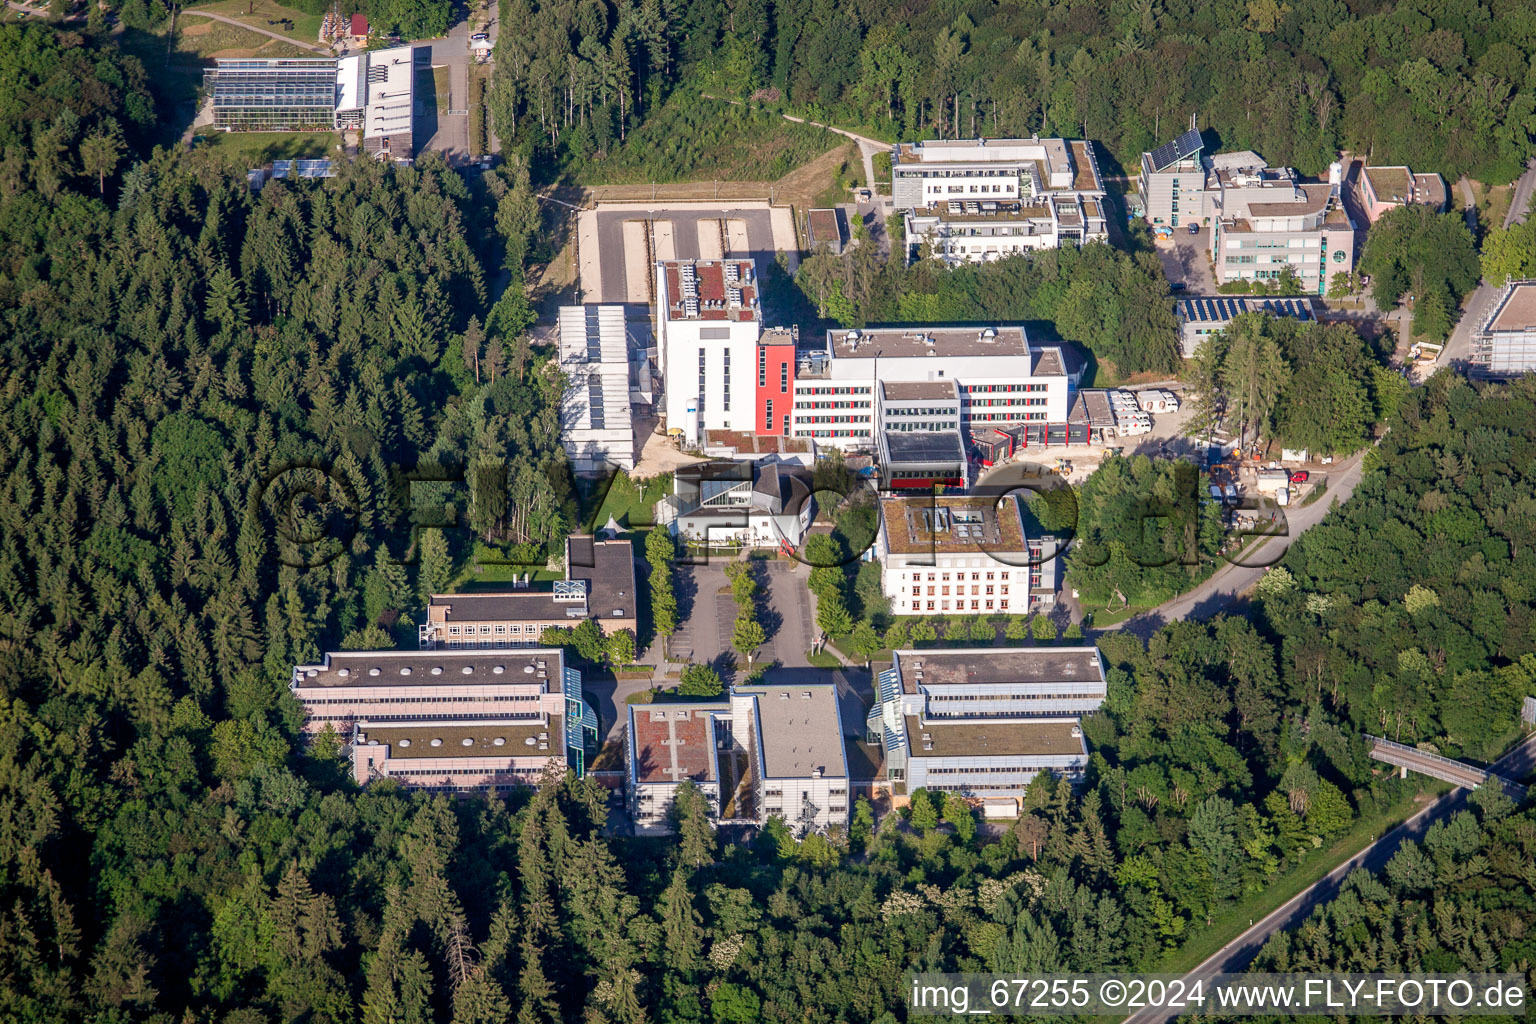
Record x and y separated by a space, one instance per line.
1239 953
1520 202
1458 349
1228 582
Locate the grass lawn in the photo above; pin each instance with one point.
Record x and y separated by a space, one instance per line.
252 149
1314 866
1102 618
632 505
823 660
693 138
441 86
205 38
1318 490
306 27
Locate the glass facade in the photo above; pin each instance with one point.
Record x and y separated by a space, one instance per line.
286 94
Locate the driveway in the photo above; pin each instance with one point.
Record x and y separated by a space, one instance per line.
1218 592
449 130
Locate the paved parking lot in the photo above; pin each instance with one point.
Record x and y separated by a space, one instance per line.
1186 258
707 614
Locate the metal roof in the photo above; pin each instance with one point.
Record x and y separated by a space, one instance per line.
924 446
1171 153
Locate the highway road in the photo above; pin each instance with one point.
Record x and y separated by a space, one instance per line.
1239 953
1227 583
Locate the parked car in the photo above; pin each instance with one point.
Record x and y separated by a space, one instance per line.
480 37
1177 286
1194 229
1300 476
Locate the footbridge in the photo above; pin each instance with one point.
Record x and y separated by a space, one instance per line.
1412 759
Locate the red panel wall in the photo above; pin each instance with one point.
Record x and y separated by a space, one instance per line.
776 371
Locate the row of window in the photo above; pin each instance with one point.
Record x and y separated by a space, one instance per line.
993 389
832 391
532 627
972 403
1005 417
962 190
490 772
1009 770
959 591
1069 775
355 699
921 410
971 698
1002 605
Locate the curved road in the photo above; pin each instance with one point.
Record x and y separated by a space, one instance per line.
867 147
1239 953
1228 582
314 47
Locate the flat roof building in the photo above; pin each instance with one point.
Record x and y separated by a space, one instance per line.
596 424
984 199
963 555
1386 188
434 718
1201 316
923 459
999 378
824 227
375 94
763 752
599 584
1265 221
1504 344
708 324
984 722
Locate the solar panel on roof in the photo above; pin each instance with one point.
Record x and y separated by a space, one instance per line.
1172 152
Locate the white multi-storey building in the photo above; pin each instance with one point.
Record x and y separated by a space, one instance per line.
1172 181
1504 344
985 722
983 199
963 555
1263 221
767 751
708 321
999 378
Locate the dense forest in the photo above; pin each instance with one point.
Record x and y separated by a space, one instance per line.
197 381
1444 86
1297 384
1411 610
1112 303
1460 900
